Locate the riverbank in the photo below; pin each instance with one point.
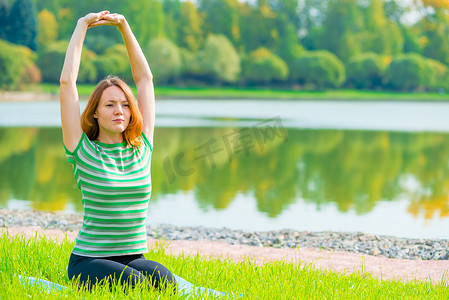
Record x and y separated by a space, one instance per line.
359 243
51 92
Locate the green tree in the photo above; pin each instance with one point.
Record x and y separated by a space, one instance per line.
410 72
341 27
4 20
222 17
437 46
438 75
289 47
172 14
51 59
319 68
435 29
190 27
146 18
311 15
66 22
164 58
11 65
189 66
219 60
114 61
380 35
47 28
258 28
23 24
287 8
411 39
263 67
366 71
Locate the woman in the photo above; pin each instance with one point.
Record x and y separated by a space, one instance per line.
110 147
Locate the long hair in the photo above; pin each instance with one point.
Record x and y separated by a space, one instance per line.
89 124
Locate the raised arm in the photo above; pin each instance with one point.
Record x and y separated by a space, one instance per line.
70 110
140 69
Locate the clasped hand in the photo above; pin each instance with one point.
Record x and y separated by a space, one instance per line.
103 18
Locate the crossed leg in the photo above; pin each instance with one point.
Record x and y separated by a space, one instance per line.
133 269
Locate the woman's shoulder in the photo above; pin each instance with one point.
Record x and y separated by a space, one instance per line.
146 141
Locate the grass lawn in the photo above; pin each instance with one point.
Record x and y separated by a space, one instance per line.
47 259
259 93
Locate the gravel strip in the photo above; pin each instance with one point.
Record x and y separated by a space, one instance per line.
388 246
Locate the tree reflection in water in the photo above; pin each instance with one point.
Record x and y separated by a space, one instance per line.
352 169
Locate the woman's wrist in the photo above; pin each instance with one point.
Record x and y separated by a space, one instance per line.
83 22
122 26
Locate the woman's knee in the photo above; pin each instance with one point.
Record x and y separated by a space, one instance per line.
160 276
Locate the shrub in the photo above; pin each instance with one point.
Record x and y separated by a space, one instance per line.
412 72
10 66
218 60
114 61
366 71
321 69
263 66
14 63
164 59
187 61
438 75
31 72
51 60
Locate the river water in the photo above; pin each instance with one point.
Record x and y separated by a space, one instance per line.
375 167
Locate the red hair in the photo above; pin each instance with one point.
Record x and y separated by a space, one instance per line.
89 124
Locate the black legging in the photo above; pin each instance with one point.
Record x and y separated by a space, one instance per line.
133 269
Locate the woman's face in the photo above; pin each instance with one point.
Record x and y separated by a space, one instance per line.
113 112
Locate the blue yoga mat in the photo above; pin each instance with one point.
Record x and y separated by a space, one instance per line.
184 287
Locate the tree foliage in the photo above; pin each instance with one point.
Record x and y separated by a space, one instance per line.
380 35
263 67
23 24
366 71
190 29
164 58
320 68
218 60
11 65
341 27
222 17
4 20
113 62
353 30
51 59
412 72
47 28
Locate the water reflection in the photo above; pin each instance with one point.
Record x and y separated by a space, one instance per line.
353 170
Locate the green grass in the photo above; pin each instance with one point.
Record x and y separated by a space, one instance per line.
47 259
259 93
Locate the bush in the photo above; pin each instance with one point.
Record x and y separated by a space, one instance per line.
51 60
164 59
438 75
14 62
218 60
366 71
114 61
262 66
31 72
321 69
188 62
412 72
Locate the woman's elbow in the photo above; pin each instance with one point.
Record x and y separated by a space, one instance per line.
64 80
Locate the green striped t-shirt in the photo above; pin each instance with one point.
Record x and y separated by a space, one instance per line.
115 184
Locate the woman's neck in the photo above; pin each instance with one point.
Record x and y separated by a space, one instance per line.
110 139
